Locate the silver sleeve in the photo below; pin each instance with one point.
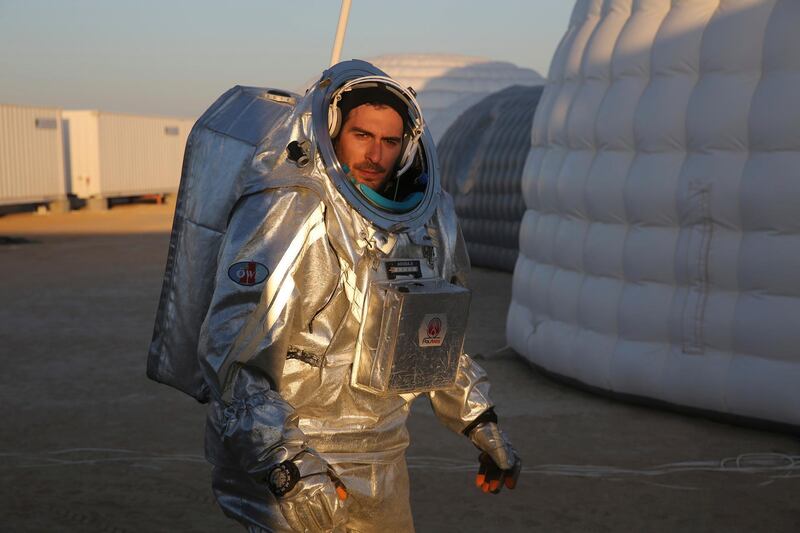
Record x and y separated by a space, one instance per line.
246 333
459 407
461 263
255 430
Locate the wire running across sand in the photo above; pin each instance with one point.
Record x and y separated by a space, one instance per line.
775 464
89 456
747 463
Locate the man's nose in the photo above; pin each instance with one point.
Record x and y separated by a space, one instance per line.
374 152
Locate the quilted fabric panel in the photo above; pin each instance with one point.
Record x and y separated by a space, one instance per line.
660 249
481 157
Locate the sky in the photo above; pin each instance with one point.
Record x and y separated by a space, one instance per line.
174 57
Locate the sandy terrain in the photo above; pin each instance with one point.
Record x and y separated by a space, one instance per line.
89 444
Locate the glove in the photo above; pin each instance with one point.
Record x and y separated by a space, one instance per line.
310 494
499 463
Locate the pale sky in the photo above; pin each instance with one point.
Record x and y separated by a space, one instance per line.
174 57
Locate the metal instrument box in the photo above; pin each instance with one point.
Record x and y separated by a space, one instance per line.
412 336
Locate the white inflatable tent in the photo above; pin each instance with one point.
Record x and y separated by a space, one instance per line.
446 85
660 251
481 157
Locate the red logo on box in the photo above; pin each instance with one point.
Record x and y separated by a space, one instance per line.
434 327
432 330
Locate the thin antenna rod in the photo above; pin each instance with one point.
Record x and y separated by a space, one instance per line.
340 31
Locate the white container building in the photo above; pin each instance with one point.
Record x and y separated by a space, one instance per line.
31 155
118 155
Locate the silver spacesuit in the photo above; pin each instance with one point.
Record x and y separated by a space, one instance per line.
292 302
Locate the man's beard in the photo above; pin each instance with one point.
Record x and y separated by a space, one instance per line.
378 183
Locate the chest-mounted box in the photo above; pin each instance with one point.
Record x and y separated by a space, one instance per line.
412 336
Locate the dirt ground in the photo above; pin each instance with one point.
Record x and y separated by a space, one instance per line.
89 444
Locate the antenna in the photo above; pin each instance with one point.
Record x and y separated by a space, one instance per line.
340 31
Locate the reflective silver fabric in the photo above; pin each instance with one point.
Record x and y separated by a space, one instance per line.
273 353
490 439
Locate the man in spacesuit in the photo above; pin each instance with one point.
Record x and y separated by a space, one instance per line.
331 242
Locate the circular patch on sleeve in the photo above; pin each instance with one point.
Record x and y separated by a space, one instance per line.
248 273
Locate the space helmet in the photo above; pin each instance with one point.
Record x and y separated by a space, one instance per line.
407 199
